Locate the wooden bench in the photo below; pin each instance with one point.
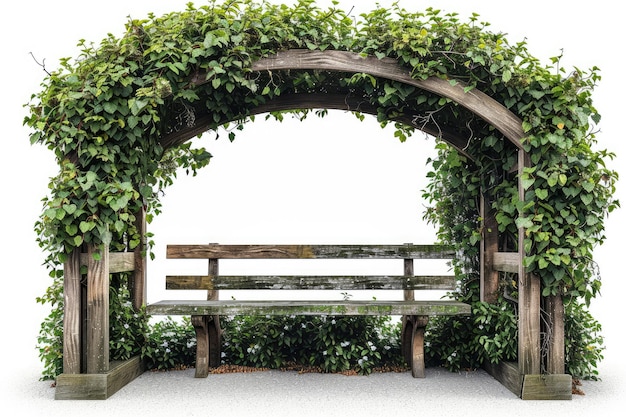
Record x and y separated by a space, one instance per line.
205 313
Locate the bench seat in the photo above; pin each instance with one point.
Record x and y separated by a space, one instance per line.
309 308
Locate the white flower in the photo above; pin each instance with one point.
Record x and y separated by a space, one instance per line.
325 353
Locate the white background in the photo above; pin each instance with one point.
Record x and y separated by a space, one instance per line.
328 180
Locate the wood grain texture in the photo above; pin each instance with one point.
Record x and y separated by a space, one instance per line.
97 346
310 282
72 316
308 308
309 251
474 100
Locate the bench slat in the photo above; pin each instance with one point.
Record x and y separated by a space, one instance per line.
279 307
318 282
213 251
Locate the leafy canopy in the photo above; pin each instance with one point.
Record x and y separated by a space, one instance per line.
106 114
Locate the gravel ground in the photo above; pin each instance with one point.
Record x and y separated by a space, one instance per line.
276 393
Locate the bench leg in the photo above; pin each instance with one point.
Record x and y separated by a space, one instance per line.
202 345
215 341
406 337
413 344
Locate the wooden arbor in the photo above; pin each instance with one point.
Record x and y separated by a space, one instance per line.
87 371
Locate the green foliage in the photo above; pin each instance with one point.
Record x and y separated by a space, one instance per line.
170 345
106 114
584 343
50 339
332 344
128 328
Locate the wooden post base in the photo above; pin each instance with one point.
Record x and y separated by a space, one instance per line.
98 386
531 387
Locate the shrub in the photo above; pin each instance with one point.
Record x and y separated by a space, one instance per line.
170 345
329 343
584 343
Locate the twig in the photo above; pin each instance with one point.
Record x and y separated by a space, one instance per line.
42 64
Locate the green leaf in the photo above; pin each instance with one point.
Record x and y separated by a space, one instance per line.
86 226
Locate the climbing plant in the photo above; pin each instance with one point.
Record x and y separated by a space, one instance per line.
105 115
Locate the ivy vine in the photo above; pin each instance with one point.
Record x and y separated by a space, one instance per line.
105 113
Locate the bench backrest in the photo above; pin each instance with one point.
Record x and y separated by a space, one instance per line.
213 281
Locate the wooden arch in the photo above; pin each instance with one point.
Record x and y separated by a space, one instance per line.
86 360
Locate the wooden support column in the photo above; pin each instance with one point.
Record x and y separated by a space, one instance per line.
556 335
406 333
489 277
97 347
138 277
529 343
72 314
213 325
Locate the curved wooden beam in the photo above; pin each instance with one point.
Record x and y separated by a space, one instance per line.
342 61
319 101
474 100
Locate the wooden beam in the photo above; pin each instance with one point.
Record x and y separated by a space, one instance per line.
97 348
72 316
309 251
331 101
98 386
118 261
529 326
507 373
555 333
311 282
138 289
506 262
474 100
308 308
547 387
489 276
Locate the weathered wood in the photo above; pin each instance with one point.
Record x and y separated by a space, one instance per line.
97 348
118 261
213 323
309 251
529 286
555 334
138 290
489 276
72 316
418 367
506 262
310 282
98 386
547 387
205 313
202 345
474 100
280 307
328 101
507 373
